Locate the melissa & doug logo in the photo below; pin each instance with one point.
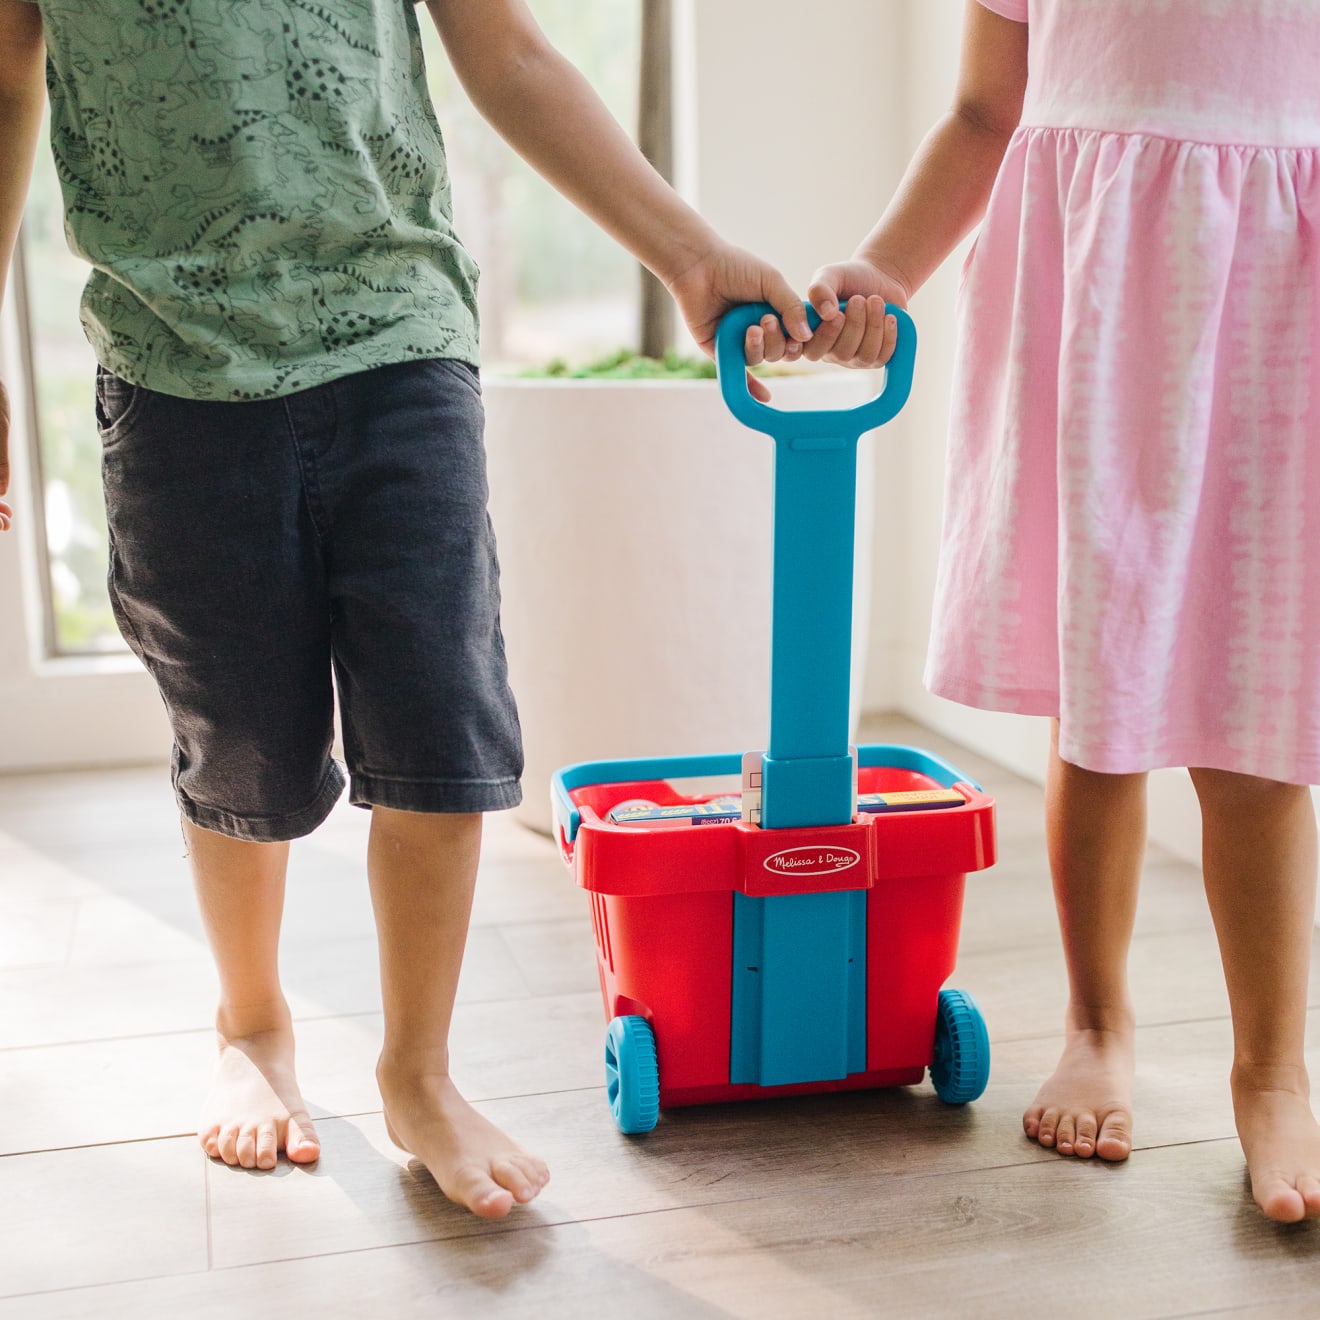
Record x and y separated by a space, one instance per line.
811 860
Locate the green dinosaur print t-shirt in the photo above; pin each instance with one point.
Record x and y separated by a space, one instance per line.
260 188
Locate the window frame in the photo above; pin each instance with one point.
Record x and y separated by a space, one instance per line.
49 648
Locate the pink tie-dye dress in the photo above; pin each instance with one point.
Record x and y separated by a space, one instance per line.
1132 527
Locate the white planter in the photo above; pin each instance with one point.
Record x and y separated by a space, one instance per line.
633 521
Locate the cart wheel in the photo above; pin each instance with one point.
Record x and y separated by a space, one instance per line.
961 1066
632 1076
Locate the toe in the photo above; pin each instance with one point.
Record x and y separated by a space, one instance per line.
1308 1188
537 1170
511 1174
246 1147
302 1145
476 1189
268 1146
494 1203
210 1139
1049 1123
1114 1141
1084 1139
1065 1134
1031 1121
1279 1199
227 1143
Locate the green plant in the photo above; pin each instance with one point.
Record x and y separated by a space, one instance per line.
628 364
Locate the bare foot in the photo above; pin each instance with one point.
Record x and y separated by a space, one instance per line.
1281 1141
473 1162
254 1109
1085 1108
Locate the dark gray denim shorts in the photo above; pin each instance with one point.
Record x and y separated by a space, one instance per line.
257 547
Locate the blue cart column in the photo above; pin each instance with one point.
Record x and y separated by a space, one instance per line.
798 1010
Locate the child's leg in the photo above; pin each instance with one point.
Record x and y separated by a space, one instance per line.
1096 831
254 1109
1259 858
422 868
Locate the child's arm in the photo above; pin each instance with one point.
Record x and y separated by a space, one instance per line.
942 195
543 107
22 94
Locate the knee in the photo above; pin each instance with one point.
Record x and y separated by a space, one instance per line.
1228 788
426 828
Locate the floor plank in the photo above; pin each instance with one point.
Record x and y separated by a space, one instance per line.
101 1214
1039 1239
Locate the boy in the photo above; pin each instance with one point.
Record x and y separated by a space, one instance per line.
290 413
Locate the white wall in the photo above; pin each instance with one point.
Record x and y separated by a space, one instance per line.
804 123
789 141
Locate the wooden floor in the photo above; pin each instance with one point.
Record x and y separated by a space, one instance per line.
879 1204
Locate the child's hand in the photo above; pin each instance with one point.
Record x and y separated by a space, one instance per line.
726 276
6 513
858 334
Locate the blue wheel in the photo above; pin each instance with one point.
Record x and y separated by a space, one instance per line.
632 1076
961 1066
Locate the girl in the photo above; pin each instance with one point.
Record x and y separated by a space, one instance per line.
1131 542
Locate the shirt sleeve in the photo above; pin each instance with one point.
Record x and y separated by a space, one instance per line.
1014 9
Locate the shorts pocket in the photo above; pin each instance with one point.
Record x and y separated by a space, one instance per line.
465 371
118 404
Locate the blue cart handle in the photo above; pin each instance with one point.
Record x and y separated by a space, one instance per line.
777 422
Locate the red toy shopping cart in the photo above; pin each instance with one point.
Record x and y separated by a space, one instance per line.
781 922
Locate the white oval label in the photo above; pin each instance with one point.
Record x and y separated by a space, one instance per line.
811 861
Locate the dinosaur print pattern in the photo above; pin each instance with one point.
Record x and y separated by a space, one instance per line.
260 189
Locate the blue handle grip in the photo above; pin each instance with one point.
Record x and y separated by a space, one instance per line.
732 365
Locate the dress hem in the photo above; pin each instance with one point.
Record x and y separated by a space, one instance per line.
1109 759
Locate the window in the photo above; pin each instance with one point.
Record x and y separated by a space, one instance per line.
61 369
552 286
